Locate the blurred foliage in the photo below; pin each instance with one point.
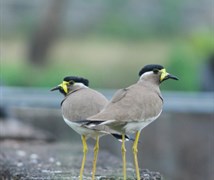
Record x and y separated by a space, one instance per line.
186 56
27 75
129 26
187 59
184 65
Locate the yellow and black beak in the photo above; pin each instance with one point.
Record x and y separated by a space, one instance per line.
165 75
55 88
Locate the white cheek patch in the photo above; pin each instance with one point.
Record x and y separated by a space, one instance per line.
80 85
146 74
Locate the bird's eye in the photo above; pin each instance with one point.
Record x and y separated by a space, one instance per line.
155 71
71 82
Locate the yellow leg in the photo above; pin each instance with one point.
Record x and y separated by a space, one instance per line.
135 150
96 150
85 150
123 149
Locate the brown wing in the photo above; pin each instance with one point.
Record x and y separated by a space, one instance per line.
119 95
131 104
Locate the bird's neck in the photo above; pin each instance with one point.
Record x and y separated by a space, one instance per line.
152 85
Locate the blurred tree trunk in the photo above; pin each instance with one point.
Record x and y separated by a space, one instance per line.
46 33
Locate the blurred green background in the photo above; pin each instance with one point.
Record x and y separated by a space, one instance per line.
106 41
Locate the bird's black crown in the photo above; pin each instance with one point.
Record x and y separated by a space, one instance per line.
150 67
77 80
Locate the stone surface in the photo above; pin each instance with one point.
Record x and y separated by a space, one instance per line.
42 160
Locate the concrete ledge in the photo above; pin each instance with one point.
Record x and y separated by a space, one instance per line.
42 97
41 160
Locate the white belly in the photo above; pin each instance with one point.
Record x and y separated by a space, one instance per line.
135 126
82 130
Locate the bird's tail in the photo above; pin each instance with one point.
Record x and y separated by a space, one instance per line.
89 122
119 137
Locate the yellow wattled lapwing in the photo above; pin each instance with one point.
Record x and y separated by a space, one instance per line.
79 103
133 108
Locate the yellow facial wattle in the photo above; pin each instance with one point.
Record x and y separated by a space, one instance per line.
64 86
164 74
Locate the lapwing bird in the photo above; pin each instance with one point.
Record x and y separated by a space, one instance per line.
133 108
79 103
